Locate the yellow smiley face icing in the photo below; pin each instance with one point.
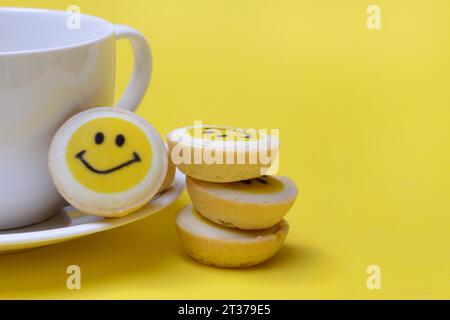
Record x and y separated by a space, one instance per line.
222 154
107 161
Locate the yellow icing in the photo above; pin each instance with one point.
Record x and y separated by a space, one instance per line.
222 133
262 185
116 163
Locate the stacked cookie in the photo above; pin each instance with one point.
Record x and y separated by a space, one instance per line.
236 216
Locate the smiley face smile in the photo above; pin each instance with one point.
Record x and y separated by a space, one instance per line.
80 157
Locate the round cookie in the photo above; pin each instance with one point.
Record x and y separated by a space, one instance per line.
250 204
222 154
107 161
215 245
170 175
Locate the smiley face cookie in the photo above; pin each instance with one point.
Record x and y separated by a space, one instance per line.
215 245
222 154
107 161
253 204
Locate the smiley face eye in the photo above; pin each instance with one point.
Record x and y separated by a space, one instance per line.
120 140
99 138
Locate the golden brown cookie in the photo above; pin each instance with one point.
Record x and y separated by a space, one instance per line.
211 244
222 154
252 204
107 161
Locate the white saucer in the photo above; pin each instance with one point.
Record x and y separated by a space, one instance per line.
71 223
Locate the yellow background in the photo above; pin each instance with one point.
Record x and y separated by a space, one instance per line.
364 123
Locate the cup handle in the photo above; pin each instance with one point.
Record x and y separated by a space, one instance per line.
142 67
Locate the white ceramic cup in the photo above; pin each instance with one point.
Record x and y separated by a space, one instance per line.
53 64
